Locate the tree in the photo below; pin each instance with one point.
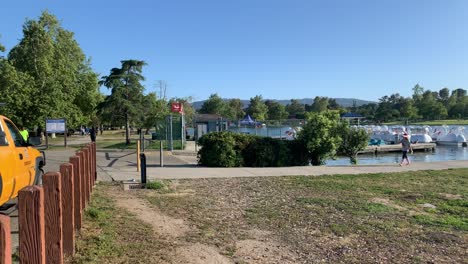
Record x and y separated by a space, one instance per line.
257 108
417 92
49 67
235 109
444 96
276 111
214 105
320 104
126 92
320 136
295 109
430 108
353 140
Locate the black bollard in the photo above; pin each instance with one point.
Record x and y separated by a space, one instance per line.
143 168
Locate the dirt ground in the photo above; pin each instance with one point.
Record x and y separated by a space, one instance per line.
386 218
255 246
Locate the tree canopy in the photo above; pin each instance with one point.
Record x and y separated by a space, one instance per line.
47 75
125 102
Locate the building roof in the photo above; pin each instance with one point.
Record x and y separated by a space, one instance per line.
352 115
207 117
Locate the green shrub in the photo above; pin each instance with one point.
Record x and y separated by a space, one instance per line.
154 185
226 149
218 150
266 152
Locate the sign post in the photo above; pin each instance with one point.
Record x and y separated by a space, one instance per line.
56 126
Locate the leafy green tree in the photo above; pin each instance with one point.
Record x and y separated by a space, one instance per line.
320 136
332 104
235 109
126 92
407 109
417 92
444 96
214 105
320 104
276 111
430 108
353 140
257 108
368 110
152 109
49 67
295 108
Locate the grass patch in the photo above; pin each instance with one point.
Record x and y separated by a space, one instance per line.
339 219
154 185
113 235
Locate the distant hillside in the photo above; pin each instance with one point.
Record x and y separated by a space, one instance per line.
344 102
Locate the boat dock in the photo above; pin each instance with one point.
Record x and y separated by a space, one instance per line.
397 148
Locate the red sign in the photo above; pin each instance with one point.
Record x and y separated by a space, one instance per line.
177 107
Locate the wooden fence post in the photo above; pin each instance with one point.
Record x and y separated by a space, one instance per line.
52 182
31 225
90 169
66 170
84 176
77 217
80 154
95 161
5 240
86 172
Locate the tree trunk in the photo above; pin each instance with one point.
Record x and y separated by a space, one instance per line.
127 134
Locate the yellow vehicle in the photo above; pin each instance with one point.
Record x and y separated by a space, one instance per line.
20 163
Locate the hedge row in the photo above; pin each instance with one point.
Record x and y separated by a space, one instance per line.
226 149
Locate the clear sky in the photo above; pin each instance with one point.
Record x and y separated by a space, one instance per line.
280 49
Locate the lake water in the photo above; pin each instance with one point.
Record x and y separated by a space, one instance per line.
441 153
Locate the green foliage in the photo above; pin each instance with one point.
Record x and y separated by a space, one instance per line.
234 109
219 150
353 140
226 149
266 152
296 109
125 103
257 108
214 105
276 111
154 185
47 75
320 136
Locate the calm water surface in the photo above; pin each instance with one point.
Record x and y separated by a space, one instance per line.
441 153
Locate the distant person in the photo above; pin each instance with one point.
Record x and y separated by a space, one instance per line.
92 134
24 132
405 147
101 129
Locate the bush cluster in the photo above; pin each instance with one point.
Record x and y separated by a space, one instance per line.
226 149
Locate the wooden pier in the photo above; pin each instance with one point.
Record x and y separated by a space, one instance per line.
397 148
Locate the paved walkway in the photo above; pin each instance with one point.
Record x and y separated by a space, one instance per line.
116 165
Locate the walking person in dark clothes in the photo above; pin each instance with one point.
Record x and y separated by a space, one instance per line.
92 134
405 147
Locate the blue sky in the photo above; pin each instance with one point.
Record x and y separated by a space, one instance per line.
280 49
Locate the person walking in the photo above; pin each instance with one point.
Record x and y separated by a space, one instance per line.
405 147
92 134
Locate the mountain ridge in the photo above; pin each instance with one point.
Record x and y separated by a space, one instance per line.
344 102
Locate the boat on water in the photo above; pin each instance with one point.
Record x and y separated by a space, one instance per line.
419 134
454 137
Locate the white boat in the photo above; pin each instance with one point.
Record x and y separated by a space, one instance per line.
419 135
454 137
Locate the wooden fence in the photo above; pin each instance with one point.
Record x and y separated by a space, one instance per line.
50 215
